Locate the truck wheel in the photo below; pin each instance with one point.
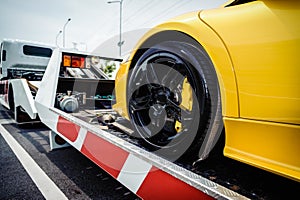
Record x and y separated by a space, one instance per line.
11 100
174 100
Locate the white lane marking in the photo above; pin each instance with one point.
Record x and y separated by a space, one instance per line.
39 177
7 121
134 172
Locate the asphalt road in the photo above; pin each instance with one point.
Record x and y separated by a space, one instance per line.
75 175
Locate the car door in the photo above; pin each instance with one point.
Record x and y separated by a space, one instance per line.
263 40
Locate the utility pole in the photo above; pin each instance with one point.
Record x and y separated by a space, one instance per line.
64 34
120 43
58 34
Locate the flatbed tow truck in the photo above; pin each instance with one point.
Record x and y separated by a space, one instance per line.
78 111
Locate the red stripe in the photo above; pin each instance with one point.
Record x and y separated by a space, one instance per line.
68 129
106 155
5 87
161 185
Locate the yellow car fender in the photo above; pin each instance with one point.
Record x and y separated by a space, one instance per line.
190 25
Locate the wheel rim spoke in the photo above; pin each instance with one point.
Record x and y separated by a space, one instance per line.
136 108
163 79
151 74
171 78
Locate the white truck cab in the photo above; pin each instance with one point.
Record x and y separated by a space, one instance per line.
24 59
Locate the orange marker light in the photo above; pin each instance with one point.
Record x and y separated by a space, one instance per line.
67 61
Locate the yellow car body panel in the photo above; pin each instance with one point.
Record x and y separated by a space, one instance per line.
121 90
254 49
263 39
267 145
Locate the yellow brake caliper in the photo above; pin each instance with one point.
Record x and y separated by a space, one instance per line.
186 103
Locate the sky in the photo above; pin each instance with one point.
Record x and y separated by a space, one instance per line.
93 22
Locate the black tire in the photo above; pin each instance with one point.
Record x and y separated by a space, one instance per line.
11 100
155 99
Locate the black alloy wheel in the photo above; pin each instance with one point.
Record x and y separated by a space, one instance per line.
169 98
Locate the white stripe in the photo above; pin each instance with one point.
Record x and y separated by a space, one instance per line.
133 173
7 121
80 139
39 177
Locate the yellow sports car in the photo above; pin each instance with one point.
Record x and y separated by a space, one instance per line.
234 68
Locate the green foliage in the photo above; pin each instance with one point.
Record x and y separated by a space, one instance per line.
108 67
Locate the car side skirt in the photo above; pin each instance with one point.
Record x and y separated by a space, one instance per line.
267 145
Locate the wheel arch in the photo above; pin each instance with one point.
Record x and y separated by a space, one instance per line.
202 35
187 28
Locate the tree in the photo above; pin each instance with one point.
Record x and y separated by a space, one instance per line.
108 67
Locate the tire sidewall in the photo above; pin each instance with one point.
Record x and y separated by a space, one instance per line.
203 74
